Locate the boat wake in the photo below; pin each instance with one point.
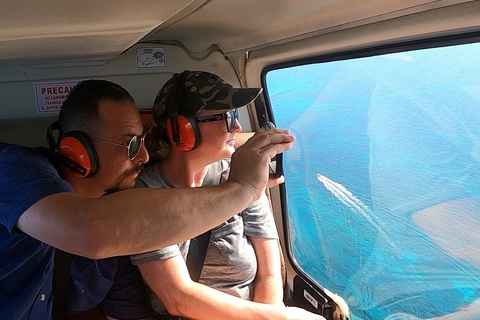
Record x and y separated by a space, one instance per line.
347 198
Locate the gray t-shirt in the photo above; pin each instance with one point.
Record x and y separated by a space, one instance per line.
230 263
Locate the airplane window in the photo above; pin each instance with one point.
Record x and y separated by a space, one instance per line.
383 182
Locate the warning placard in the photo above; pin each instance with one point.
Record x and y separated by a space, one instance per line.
50 95
150 57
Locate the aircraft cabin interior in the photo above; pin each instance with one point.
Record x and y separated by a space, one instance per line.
379 214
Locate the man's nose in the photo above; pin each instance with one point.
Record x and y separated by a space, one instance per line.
142 156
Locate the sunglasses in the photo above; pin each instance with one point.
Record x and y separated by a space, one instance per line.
229 116
133 145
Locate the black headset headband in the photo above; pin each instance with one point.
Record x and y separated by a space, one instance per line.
173 108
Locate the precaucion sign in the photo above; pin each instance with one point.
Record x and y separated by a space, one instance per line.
50 95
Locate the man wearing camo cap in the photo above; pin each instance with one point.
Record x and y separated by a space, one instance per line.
195 116
185 95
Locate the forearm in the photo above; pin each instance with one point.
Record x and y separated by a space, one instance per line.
182 296
269 290
131 221
268 280
163 217
205 303
140 220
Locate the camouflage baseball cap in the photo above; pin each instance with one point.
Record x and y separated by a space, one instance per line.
200 90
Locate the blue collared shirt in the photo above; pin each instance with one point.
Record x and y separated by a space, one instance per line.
26 264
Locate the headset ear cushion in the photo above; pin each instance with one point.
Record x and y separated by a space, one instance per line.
77 147
188 133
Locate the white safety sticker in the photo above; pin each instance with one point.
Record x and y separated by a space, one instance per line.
310 299
49 96
150 57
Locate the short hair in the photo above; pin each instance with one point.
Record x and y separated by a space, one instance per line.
80 109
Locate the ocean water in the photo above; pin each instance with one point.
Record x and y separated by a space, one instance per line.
383 180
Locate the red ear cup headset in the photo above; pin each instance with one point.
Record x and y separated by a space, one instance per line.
75 150
183 132
182 129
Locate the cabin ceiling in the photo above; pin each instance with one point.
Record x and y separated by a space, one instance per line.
96 31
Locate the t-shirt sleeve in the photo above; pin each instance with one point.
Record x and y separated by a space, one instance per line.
26 175
151 177
161 254
258 219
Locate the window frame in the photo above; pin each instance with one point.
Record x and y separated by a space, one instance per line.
267 113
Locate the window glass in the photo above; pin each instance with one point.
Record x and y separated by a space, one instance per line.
383 182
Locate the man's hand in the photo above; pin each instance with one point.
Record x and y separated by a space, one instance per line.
249 165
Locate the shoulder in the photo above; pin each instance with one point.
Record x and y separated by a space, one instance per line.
27 175
217 172
151 177
20 162
15 154
160 254
258 219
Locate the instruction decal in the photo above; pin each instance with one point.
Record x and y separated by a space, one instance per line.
150 57
310 299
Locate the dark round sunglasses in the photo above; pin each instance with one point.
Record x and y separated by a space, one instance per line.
229 116
133 145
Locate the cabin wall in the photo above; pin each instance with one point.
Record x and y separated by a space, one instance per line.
21 122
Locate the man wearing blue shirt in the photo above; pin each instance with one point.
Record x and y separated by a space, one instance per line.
55 199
